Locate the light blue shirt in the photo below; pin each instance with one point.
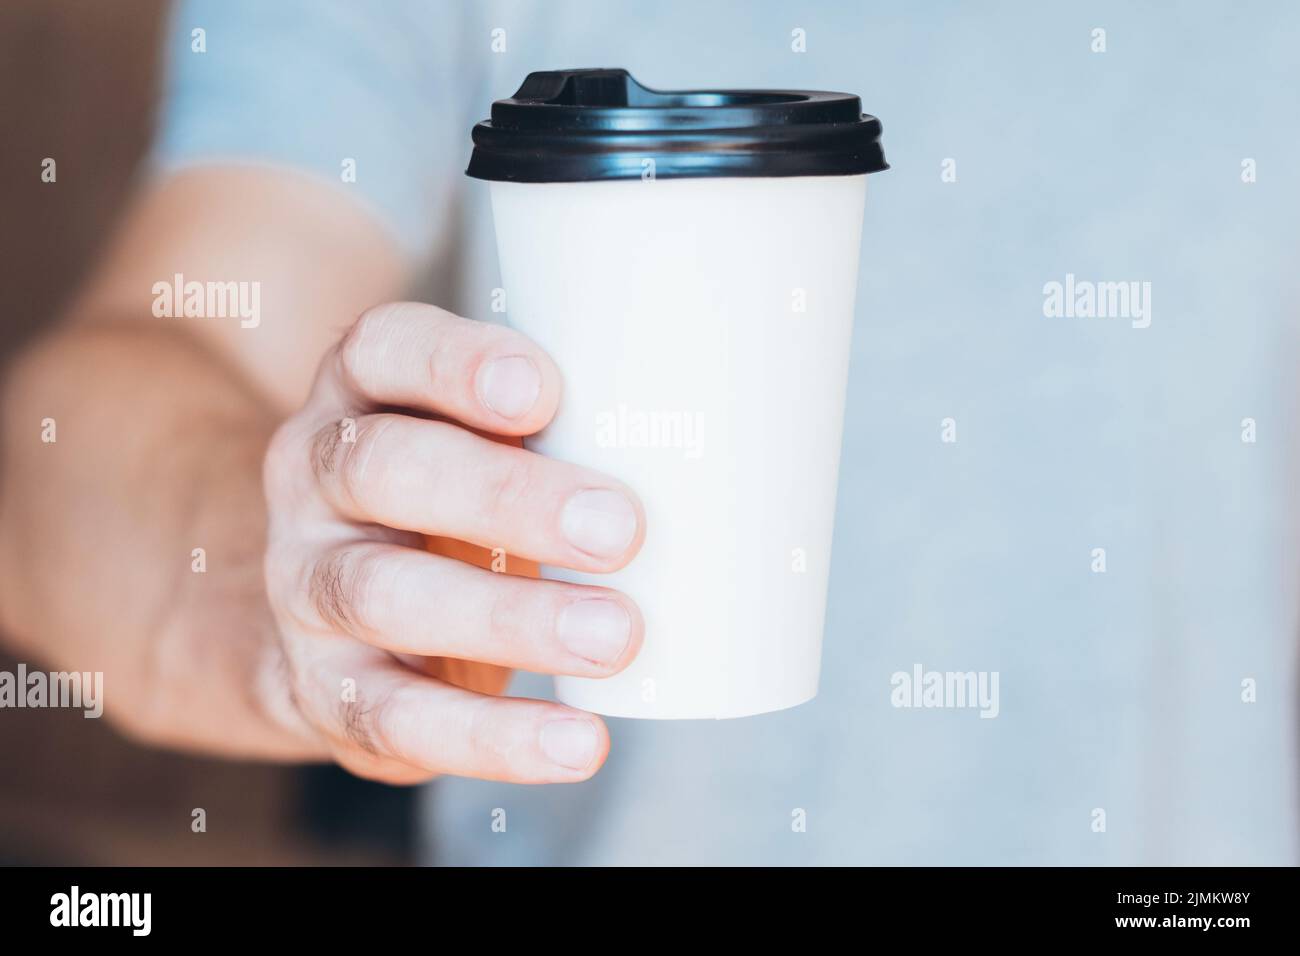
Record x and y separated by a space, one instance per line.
1157 696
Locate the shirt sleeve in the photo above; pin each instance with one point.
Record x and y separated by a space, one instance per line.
360 95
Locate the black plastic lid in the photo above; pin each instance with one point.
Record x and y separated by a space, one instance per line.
578 125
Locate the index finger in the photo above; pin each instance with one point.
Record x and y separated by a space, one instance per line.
421 357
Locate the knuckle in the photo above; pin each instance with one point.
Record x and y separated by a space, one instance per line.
441 355
363 345
503 743
343 452
327 591
278 448
361 723
483 738
311 689
281 463
327 448
508 486
367 445
282 672
504 621
374 725
341 590
282 575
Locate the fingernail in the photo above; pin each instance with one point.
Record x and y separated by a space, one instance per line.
570 743
509 386
599 521
595 629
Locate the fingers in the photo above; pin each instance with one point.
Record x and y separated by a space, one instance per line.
428 727
397 473
407 601
421 357
436 478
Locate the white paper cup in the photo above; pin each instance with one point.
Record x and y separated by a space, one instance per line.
703 327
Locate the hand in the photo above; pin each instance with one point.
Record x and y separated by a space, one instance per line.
352 487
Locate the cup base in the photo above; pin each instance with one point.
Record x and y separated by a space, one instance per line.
654 711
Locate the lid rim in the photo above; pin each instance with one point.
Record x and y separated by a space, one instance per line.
576 125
